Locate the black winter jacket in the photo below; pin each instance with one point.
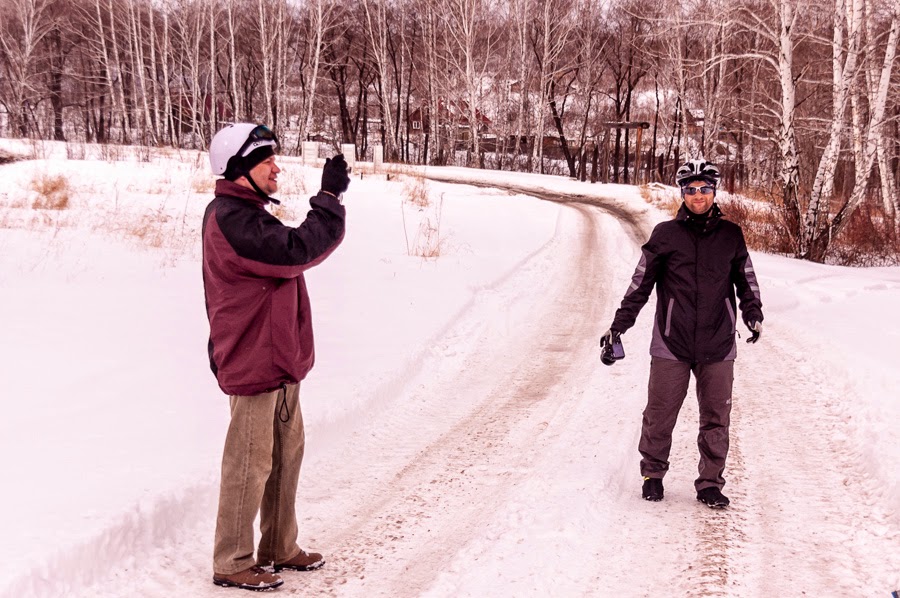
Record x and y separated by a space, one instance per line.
696 264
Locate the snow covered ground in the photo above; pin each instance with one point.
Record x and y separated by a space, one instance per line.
463 438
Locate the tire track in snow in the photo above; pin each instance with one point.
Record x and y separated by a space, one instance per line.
438 498
804 489
413 505
719 534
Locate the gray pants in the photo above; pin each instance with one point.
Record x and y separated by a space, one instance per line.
260 472
667 389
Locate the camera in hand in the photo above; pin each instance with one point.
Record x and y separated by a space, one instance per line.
612 349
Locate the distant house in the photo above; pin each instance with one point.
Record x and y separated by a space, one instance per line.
454 123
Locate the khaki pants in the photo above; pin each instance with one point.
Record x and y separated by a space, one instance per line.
667 389
260 472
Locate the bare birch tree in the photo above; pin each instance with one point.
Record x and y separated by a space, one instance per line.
376 27
845 53
320 21
775 24
166 79
233 64
889 195
267 38
471 29
549 39
21 32
433 43
139 80
879 73
520 10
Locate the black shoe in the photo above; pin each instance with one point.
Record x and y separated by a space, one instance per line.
652 489
713 498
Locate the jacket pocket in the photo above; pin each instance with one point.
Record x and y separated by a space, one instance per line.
669 316
731 314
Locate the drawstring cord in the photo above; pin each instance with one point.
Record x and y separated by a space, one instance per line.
284 406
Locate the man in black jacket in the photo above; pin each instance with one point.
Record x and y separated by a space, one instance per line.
696 262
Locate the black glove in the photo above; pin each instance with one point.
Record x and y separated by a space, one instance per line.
335 175
607 337
755 331
611 347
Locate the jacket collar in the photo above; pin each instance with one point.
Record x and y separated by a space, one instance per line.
700 223
226 188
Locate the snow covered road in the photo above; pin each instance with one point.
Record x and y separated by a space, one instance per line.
507 465
494 455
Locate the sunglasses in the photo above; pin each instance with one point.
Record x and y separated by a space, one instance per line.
258 137
704 190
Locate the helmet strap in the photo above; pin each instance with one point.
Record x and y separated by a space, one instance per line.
246 174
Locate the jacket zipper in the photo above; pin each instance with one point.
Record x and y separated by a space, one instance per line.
696 292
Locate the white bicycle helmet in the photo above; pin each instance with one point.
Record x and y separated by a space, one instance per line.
238 138
697 170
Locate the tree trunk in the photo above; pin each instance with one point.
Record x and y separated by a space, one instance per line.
877 106
57 61
557 120
787 140
376 27
125 119
843 71
213 103
167 93
154 77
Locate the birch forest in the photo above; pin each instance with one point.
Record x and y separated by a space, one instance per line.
797 101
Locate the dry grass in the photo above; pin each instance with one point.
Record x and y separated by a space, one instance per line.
151 228
110 152
663 198
870 239
763 225
415 191
202 183
20 203
292 182
52 192
427 242
75 151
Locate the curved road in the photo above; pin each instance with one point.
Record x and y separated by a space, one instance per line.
518 454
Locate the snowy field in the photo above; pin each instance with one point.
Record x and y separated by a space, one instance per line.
463 438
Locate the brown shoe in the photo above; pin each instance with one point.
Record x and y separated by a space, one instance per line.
304 561
255 578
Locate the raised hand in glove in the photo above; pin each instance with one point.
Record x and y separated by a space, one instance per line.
335 175
755 331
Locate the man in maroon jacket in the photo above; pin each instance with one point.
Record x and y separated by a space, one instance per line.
261 347
697 262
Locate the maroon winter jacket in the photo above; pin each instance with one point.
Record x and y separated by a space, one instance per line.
259 315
